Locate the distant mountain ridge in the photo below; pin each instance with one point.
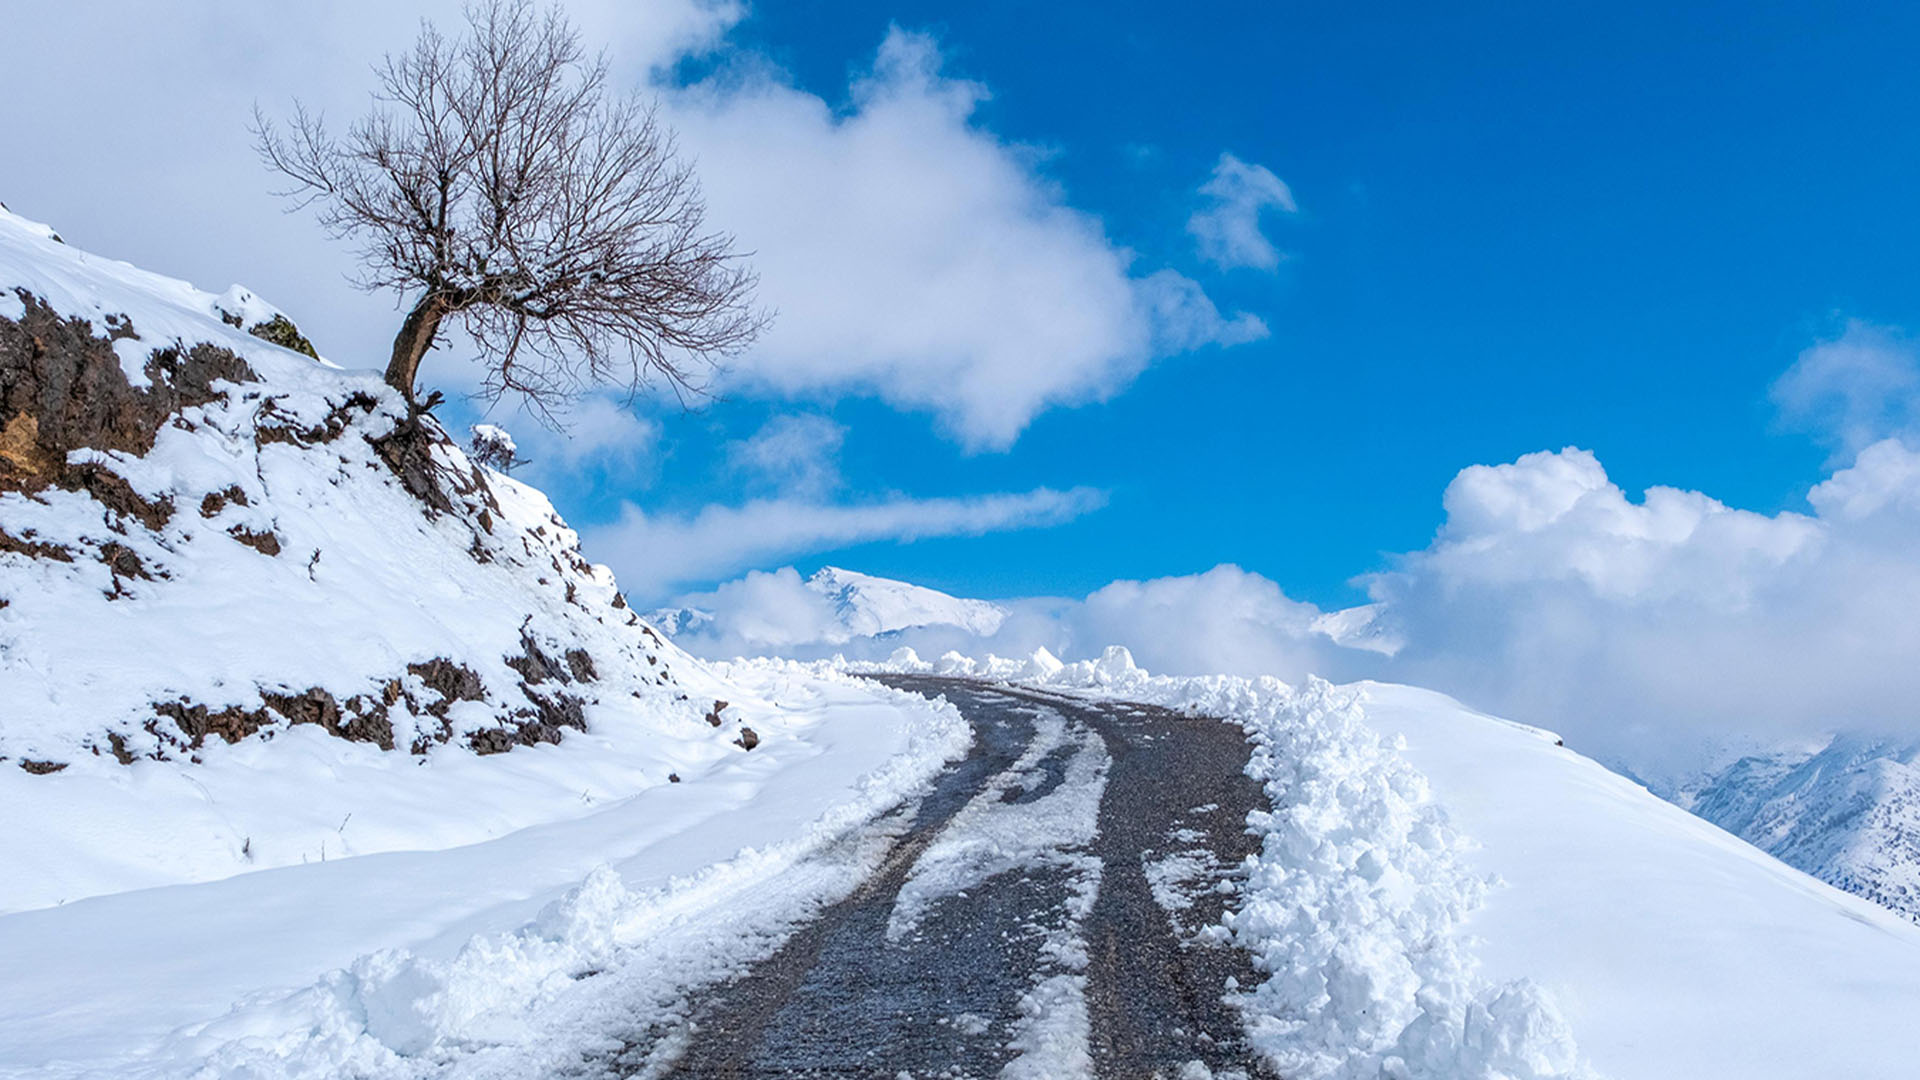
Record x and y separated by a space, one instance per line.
1849 814
862 606
870 606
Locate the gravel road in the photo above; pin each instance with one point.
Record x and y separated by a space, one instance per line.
1045 911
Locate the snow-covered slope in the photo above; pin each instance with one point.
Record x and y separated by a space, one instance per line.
839 606
870 606
1849 814
252 613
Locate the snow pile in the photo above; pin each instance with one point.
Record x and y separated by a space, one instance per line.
1356 908
607 956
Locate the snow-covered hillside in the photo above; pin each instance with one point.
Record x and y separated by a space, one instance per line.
832 607
1849 814
254 614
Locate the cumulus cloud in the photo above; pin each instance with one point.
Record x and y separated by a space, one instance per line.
914 255
1654 631
652 553
1226 228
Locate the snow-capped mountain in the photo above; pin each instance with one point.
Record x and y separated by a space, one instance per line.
1849 814
832 607
869 606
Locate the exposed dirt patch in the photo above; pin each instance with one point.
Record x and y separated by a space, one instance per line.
453 682
34 549
62 388
408 450
275 426
266 543
42 768
195 722
363 719
124 562
580 662
216 501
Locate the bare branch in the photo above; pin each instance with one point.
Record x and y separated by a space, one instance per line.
496 183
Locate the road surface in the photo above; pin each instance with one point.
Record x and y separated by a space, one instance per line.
1043 912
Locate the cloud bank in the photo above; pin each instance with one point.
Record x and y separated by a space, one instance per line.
652 553
1653 631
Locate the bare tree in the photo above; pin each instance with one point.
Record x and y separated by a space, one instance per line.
499 185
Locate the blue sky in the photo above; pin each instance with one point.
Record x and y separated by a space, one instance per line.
1519 229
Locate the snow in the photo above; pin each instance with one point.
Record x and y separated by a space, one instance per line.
92 985
1673 948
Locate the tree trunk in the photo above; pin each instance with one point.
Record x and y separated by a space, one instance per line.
415 338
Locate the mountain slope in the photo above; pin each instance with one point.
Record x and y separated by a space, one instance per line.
870 606
253 612
1848 814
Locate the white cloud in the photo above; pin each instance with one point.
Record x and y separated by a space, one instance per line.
1227 228
914 255
654 552
1855 389
1653 631
795 455
762 612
